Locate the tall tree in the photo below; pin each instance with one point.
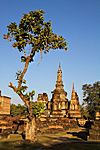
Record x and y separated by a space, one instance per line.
30 36
91 101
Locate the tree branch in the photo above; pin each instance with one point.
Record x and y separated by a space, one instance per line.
24 71
23 97
13 87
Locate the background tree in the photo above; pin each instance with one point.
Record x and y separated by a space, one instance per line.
30 36
18 110
38 108
21 110
91 101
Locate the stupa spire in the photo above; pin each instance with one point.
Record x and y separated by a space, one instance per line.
59 66
59 82
74 94
73 90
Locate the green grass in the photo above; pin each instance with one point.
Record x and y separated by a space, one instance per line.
19 146
75 146
60 141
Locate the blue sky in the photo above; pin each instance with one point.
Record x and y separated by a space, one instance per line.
78 21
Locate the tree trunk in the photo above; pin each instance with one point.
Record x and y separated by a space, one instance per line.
30 130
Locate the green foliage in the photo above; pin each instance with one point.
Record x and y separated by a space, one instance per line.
91 101
21 89
38 108
85 111
29 95
18 110
34 33
18 74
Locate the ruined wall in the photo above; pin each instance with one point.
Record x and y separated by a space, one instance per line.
4 105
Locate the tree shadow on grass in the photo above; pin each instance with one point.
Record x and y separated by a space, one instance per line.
74 146
85 133
56 143
82 134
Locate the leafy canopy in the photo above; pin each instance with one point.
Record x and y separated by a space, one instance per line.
91 101
34 34
18 110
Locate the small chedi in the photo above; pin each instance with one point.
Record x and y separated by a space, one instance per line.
59 106
74 110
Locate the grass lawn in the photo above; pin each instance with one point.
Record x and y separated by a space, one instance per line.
61 141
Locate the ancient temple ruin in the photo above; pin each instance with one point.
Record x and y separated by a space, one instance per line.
59 106
74 110
59 101
4 105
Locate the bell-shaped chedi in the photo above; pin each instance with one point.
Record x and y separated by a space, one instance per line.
74 110
59 102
